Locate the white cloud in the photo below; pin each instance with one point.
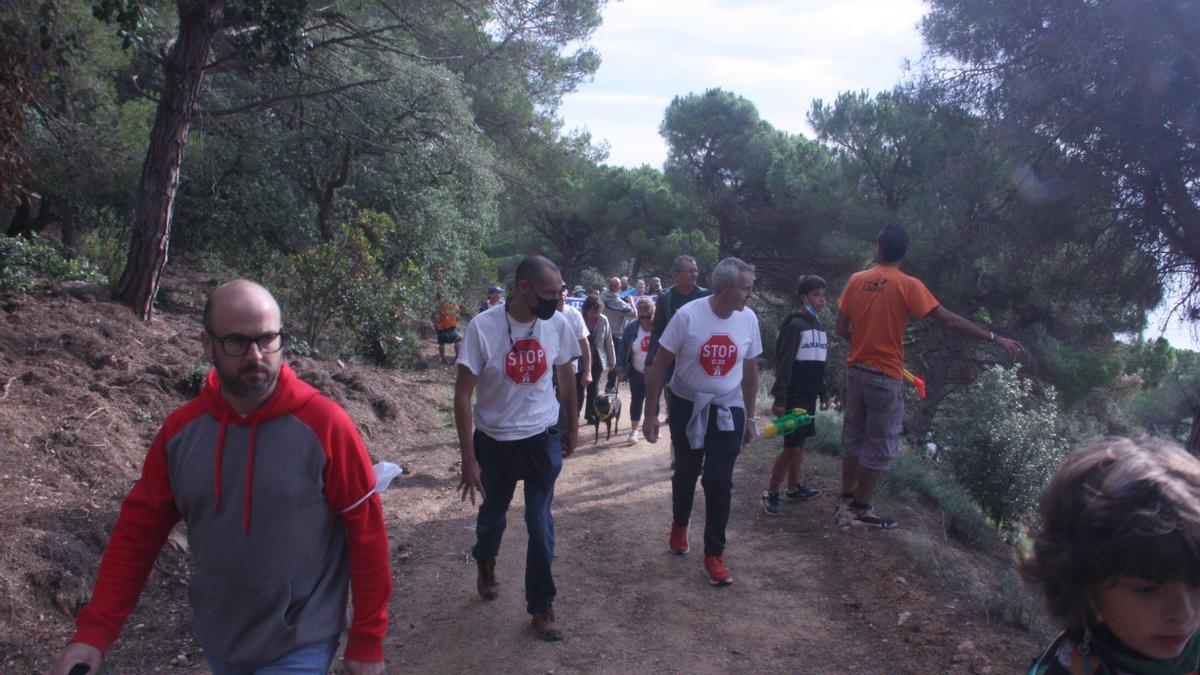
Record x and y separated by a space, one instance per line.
780 54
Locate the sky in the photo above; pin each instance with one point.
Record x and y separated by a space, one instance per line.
779 54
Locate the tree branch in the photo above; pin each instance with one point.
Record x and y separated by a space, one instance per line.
288 97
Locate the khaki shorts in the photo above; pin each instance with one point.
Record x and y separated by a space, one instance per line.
874 417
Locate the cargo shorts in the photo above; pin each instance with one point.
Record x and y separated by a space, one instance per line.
874 416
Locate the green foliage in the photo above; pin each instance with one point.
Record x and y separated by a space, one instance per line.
351 296
1076 371
1166 409
1001 440
964 519
193 382
28 263
329 284
106 243
1107 83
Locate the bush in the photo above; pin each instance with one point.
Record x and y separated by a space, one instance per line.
28 263
1002 441
106 244
328 285
964 519
193 382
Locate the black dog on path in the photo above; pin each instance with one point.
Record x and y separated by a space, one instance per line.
607 409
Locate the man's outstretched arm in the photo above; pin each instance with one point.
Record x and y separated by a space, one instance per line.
957 324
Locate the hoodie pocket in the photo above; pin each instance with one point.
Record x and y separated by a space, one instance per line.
242 621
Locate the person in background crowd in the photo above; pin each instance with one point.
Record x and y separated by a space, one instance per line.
495 298
446 326
619 312
631 362
602 350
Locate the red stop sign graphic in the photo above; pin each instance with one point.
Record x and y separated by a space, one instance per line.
718 355
526 362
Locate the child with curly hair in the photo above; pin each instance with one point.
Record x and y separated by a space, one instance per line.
1117 557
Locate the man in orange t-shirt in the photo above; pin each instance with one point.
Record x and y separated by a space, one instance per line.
872 314
446 325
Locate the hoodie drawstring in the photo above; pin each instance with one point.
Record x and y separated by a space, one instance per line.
217 461
249 477
249 469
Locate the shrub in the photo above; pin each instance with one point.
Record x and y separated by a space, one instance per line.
328 283
1002 441
193 382
964 519
27 263
106 244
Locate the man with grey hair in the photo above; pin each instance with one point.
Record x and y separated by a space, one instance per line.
715 345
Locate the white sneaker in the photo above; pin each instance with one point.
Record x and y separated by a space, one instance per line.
844 516
634 436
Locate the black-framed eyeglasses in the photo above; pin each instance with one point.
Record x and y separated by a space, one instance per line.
646 317
236 344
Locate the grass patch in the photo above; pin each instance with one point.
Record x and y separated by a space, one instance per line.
964 519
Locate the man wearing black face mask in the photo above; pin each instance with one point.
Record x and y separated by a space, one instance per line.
506 362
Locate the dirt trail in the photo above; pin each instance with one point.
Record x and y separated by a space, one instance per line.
628 605
87 387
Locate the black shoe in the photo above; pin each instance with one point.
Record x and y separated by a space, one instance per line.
802 493
486 582
770 503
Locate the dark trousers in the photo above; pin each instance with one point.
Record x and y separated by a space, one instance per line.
589 400
495 461
637 393
612 374
579 392
713 464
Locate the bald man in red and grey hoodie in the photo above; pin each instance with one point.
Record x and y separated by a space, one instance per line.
283 523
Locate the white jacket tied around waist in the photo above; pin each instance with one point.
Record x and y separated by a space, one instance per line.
704 404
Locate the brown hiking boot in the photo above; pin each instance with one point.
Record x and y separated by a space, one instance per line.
546 624
486 582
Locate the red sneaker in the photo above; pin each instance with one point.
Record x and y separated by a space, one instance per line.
718 573
678 541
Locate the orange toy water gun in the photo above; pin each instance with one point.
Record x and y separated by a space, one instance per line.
916 382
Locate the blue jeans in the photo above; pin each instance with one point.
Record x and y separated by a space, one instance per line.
496 463
307 660
713 464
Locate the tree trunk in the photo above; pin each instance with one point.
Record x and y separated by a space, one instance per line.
1193 441
22 220
183 73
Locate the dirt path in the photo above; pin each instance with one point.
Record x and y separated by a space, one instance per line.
799 601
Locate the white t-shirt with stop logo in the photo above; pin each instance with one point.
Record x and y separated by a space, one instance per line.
514 395
709 351
639 349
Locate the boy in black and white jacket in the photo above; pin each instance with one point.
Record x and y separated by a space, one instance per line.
800 354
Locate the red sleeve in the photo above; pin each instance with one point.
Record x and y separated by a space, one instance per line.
348 477
146 518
